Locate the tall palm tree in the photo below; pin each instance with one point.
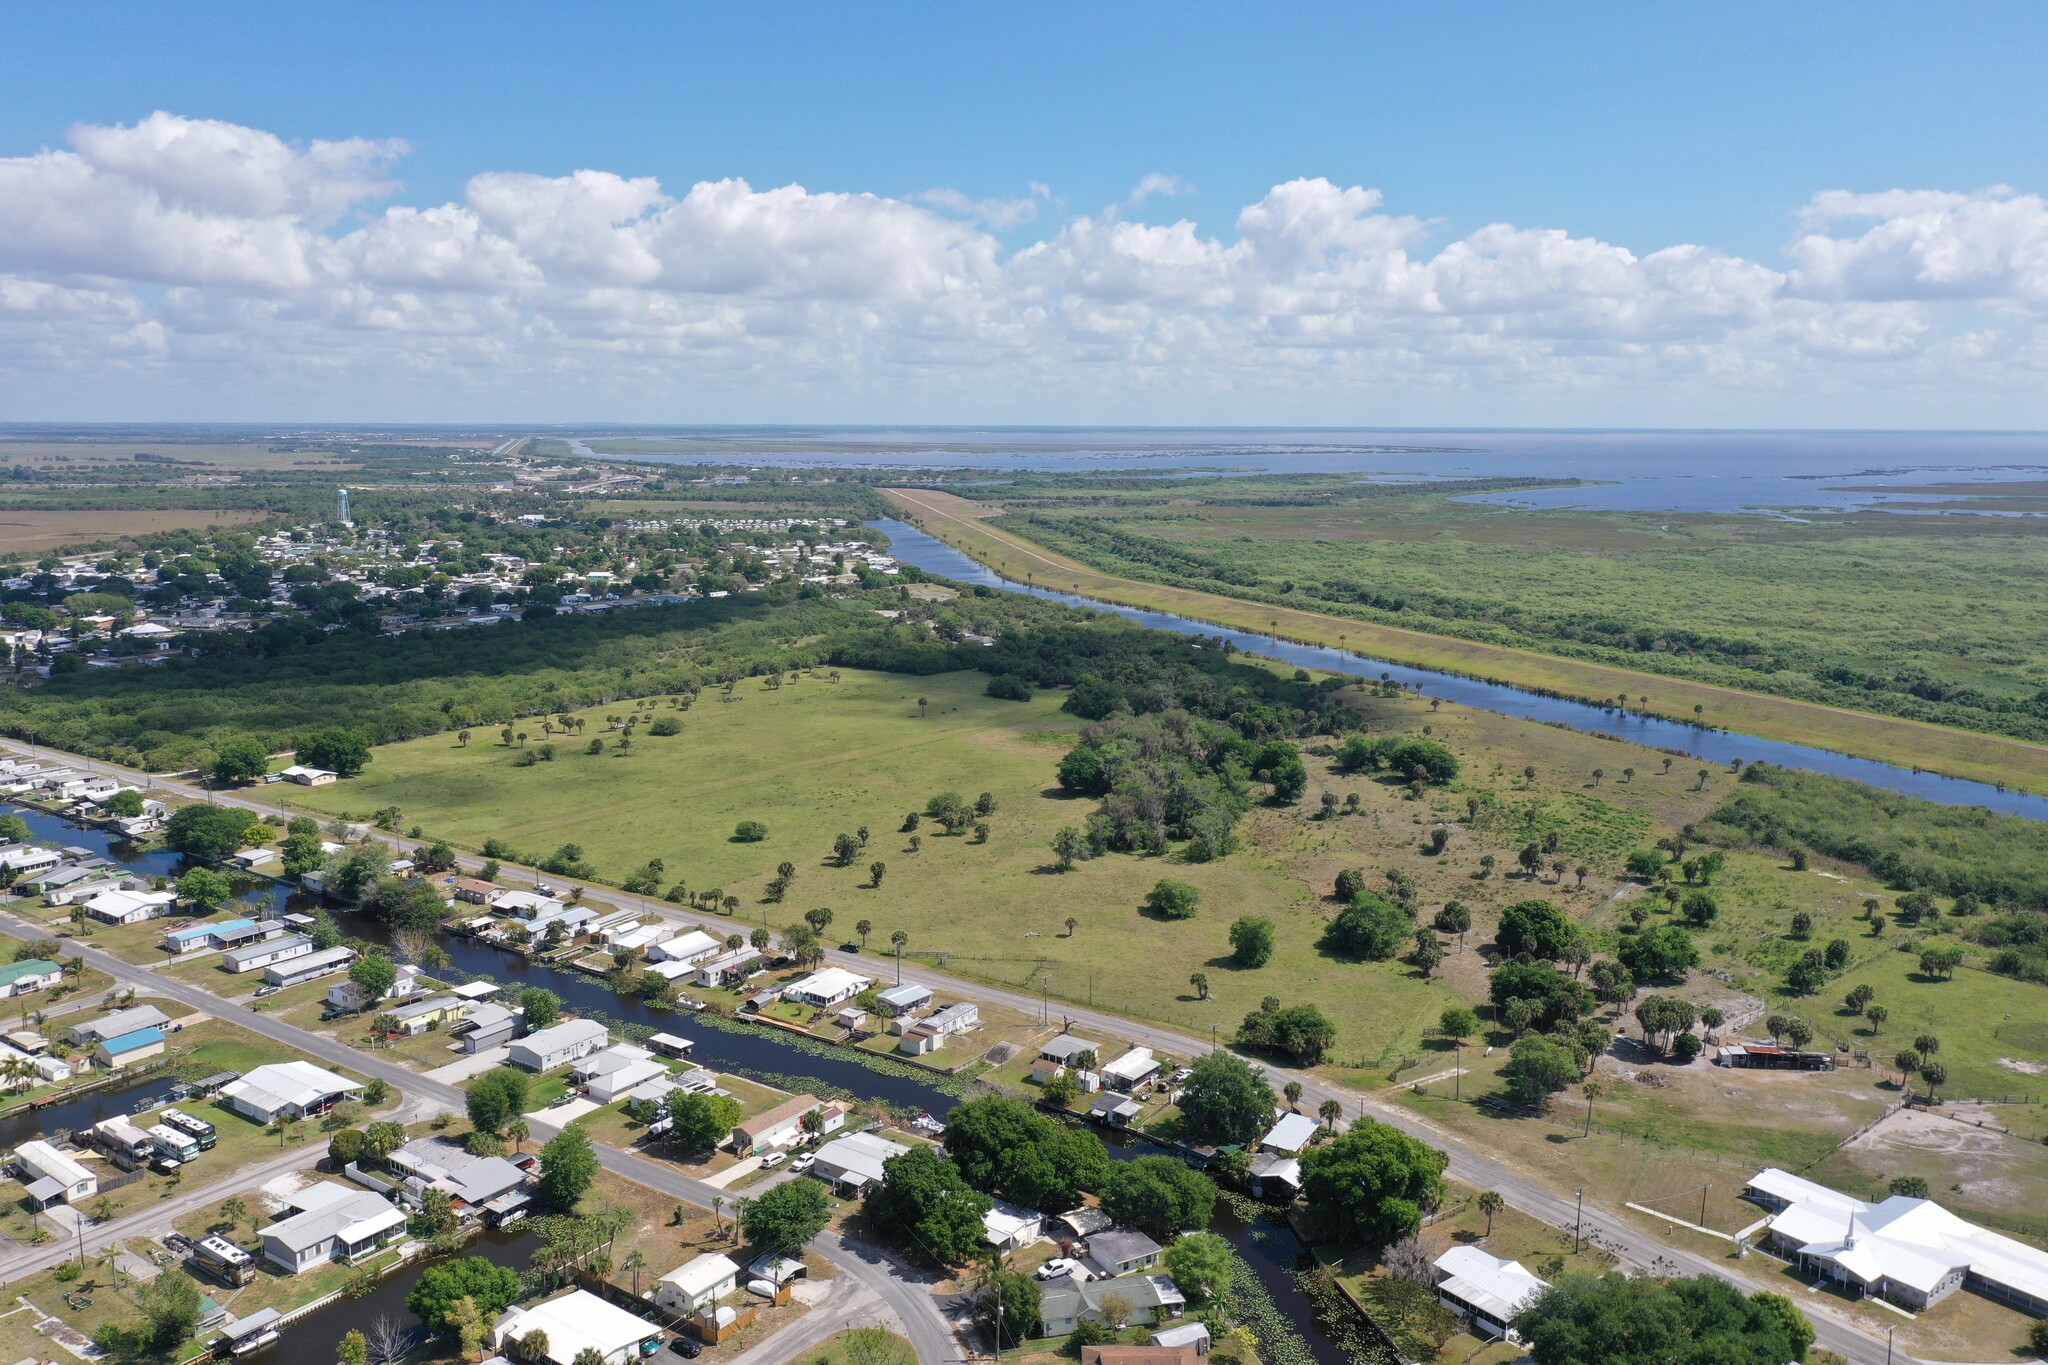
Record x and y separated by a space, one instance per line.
635 1260
1490 1203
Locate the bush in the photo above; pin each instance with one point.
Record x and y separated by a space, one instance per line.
1371 927
750 831
1009 687
1251 941
665 726
1172 900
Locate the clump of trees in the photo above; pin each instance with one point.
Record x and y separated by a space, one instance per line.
1373 1183
1413 760
1301 1033
1624 1320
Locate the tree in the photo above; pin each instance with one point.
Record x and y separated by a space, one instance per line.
1225 1100
495 1098
1490 1203
1535 928
204 890
342 751
749 832
1371 927
489 1287
539 1006
240 760
1008 1307
1457 1022
1876 1014
1454 918
929 1209
1005 1147
845 849
1619 1320
1172 900
1200 981
701 1121
1909 1187
1665 953
373 976
568 1163
1160 1194
1069 846
1251 941
1700 909
1428 954
1202 1266
125 803
354 1347
1301 1033
1537 1069
211 832
876 870
1331 1112
1936 1076
785 1217
1373 1183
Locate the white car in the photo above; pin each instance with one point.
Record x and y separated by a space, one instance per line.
773 1159
804 1162
1061 1265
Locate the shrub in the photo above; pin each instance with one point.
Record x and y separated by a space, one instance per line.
750 831
1172 900
1009 687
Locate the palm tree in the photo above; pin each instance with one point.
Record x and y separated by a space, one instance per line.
1490 1203
1330 1111
1200 981
635 1260
518 1130
718 1213
1292 1090
899 941
1072 925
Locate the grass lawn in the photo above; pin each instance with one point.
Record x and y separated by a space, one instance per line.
610 1125
1986 758
833 1351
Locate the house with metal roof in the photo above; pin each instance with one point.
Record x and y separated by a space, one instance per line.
1063 1049
697 1283
251 957
566 1042
113 1025
52 1176
489 1025
291 1089
579 1321
311 967
853 1164
1064 1301
1119 1251
905 998
1289 1135
29 975
129 907
1484 1288
608 1074
128 1048
1911 1252
330 1222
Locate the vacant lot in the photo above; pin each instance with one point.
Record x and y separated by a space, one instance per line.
40 531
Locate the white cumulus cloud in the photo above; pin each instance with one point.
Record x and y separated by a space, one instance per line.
213 269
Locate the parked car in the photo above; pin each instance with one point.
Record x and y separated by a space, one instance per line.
804 1162
849 947
689 1348
773 1159
1058 1266
262 991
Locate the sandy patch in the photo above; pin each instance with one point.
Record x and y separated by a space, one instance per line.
2023 1067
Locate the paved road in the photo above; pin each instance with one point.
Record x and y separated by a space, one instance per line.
921 1316
1468 1163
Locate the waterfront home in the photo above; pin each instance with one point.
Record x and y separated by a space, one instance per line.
128 1048
826 987
328 1222
310 967
1289 1135
576 1323
566 1042
1484 1288
1062 1050
129 907
853 1164
1063 1302
728 968
1131 1070
347 995
254 956
617 1070
489 1025
291 1089
693 947
903 999
777 1127
418 1015
1119 1251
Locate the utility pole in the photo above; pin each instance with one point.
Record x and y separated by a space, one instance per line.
999 1320
1579 1222
1703 1202
1589 1117
1457 1068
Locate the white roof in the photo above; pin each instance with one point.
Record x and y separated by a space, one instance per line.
828 983
568 1033
121 902
694 942
576 1322
1004 1221
1290 1134
50 1162
326 1210
1133 1065
475 990
297 1083
701 1273
1498 1288
860 1154
909 993
1914 1242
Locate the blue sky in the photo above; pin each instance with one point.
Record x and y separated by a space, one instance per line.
1641 128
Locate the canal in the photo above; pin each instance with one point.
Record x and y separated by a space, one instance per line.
927 552
1270 1250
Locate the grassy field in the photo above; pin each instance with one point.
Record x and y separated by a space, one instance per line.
1963 754
815 759
40 530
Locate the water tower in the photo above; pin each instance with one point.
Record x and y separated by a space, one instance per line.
341 504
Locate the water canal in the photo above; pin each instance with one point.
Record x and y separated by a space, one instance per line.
934 556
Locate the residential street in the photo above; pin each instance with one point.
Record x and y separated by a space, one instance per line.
920 1316
1634 1247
